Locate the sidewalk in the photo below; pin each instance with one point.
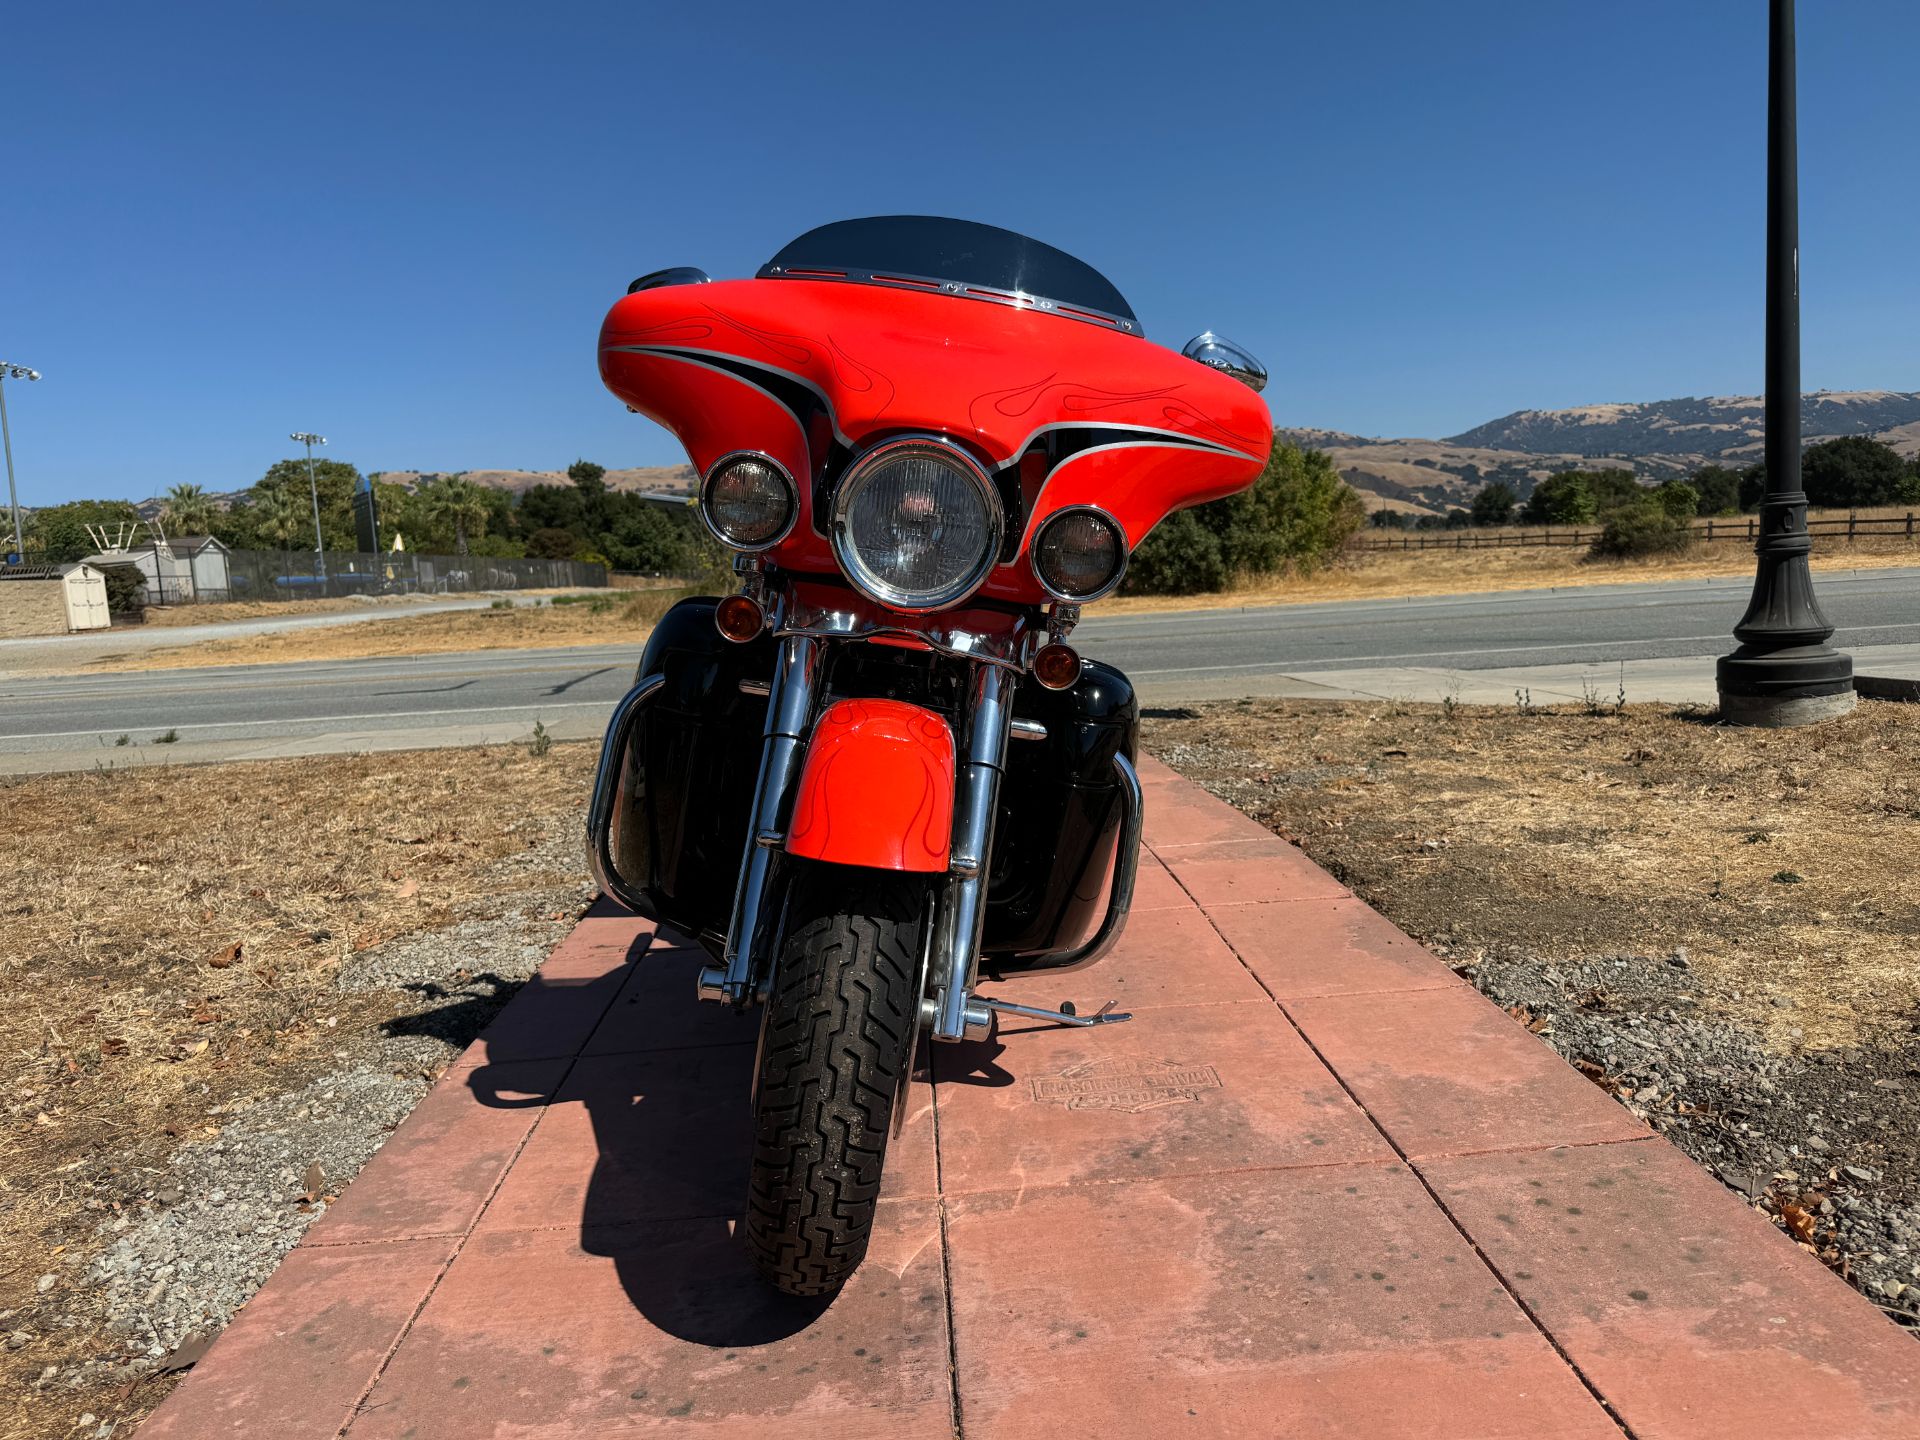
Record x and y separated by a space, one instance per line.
1317 1187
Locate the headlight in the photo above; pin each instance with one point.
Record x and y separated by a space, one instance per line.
1079 554
748 500
916 524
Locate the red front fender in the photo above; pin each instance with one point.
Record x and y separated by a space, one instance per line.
876 788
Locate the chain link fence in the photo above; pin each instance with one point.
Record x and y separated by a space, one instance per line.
215 575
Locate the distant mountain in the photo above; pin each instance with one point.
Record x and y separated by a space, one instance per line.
651 477
1655 440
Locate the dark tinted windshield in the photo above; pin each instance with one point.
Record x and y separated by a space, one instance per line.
893 248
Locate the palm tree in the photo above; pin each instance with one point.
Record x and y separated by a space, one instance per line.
456 501
188 510
280 518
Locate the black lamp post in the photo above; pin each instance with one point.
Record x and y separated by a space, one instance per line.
1784 672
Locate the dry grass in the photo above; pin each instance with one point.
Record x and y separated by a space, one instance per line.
1782 860
132 1023
600 618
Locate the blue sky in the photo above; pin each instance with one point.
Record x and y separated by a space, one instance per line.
400 224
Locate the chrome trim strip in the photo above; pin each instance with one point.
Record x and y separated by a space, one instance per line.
958 289
606 786
746 966
713 473
1126 868
1006 650
962 910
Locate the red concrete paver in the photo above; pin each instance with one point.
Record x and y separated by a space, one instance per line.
665 1329
1691 1314
1227 872
435 1174
657 1009
1327 947
659 1135
1325 1302
295 1361
1184 1224
1177 1091
1164 957
1446 1072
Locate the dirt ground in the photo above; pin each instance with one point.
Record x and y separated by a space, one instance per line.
226 985
1721 926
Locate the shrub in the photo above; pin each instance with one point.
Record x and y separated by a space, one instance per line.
1643 529
1679 499
1494 504
1564 499
1181 557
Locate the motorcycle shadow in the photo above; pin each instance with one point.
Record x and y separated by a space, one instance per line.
666 1137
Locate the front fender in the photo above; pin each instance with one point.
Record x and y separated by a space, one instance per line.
876 788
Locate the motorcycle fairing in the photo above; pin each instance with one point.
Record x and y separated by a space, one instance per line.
876 788
811 371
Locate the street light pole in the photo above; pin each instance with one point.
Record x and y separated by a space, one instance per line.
1784 672
10 371
319 544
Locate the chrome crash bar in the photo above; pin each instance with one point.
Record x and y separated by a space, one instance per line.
606 789
1126 869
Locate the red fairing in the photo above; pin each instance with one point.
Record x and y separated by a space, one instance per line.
876 788
808 370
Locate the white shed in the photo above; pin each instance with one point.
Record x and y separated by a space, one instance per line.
51 599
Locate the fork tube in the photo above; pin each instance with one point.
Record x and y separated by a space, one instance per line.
789 706
963 908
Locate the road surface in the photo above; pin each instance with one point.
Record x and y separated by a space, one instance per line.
1657 640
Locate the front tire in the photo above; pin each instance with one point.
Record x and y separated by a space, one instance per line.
833 1052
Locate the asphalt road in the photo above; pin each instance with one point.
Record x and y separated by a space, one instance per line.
58 721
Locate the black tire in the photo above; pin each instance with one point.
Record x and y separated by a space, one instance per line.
833 1050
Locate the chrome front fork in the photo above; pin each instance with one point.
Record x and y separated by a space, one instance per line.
962 911
789 707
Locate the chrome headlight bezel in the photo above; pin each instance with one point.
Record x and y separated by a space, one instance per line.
705 507
1120 543
875 587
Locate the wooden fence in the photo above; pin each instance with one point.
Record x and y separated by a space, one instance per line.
1739 527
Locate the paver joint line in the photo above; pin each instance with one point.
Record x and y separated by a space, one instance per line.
1414 1170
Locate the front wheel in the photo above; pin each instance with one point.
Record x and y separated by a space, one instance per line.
834 1048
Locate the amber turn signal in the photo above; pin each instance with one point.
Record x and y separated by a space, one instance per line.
739 618
1056 666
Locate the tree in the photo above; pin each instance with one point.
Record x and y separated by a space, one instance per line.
1719 489
1388 519
1494 504
553 544
455 501
1298 514
1563 499
1678 499
281 520
58 533
188 510
1458 519
286 480
1855 470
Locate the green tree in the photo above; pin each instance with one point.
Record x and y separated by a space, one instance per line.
459 504
58 533
1678 499
281 521
286 480
1855 470
1298 514
553 544
1719 489
188 510
1494 504
1563 499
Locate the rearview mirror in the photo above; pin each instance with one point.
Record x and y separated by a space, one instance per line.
1223 355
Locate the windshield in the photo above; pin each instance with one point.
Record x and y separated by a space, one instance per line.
926 252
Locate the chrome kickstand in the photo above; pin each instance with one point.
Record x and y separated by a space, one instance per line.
1065 1015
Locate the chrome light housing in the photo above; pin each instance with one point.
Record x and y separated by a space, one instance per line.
1079 554
916 524
749 501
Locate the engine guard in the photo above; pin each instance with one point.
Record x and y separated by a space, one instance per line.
876 788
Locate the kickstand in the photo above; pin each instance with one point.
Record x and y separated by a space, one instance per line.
1065 1015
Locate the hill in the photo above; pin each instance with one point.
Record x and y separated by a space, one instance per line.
1655 439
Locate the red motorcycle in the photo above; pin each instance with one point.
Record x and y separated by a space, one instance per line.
928 443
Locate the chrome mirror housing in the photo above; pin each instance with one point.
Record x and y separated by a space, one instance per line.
678 275
1222 354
